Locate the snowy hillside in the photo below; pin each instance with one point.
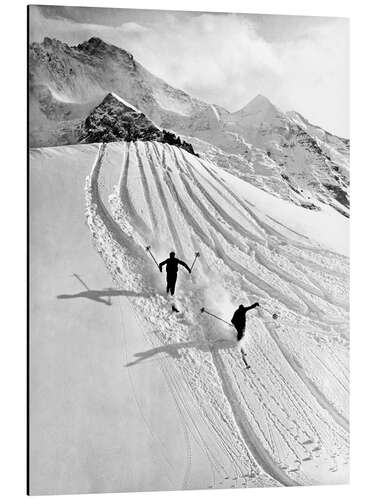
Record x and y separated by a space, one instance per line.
285 420
281 153
297 379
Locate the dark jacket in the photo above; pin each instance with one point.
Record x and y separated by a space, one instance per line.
239 316
172 265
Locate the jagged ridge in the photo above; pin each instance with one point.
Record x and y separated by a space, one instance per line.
117 120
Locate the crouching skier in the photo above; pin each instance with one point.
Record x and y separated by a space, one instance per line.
239 322
172 264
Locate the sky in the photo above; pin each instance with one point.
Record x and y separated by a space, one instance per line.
299 63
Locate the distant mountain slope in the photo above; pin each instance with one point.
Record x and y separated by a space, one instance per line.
312 161
86 73
280 152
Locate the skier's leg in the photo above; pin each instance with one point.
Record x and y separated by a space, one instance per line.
173 284
240 334
169 288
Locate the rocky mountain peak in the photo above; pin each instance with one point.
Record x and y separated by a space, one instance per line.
52 42
114 119
94 43
258 104
260 99
116 99
97 46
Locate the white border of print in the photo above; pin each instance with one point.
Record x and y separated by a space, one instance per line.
13 241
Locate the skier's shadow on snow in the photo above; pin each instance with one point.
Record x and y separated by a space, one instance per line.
173 350
103 296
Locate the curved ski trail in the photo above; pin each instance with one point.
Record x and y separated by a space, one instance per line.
280 418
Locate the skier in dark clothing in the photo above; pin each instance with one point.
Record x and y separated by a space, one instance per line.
239 319
172 268
239 322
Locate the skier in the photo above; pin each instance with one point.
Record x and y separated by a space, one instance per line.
172 269
239 322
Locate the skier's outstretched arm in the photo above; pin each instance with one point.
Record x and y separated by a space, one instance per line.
256 304
162 264
185 265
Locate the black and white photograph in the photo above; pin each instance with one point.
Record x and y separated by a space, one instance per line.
189 212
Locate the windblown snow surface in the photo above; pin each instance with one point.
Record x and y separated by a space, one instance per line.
284 421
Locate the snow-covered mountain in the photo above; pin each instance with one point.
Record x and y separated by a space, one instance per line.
312 161
280 152
68 82
265 204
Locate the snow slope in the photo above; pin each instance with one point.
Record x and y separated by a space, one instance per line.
291 408
282 422
96 425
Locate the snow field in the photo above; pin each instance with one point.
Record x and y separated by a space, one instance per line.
285 420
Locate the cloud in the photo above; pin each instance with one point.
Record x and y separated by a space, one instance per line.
132 27
73 32
223 58
211 56
315 76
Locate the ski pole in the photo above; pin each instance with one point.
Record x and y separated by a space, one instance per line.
81 281
148 249
196 255
203 310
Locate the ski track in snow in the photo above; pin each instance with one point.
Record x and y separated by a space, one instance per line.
285 420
